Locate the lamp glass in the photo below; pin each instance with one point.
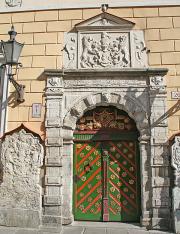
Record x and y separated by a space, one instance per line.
12 51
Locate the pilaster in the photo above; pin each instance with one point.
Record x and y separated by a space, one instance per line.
52 200
160 181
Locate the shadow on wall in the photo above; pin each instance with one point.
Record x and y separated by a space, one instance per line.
12 100
168 113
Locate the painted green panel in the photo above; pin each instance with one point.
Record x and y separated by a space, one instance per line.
87 181
123 180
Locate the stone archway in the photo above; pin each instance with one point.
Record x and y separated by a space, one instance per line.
141 93
106 168
123 102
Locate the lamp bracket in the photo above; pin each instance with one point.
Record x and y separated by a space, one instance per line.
19 88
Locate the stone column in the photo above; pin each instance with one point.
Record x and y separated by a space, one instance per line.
160 204
53 159
175 162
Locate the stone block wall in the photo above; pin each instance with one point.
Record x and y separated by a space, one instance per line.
43 32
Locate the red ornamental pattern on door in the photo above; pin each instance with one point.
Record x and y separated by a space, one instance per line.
88 185
106 167
121 198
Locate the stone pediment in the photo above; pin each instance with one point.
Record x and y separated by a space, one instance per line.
104 21
105 42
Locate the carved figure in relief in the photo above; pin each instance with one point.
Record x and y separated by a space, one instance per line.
107 52
22 157
140 50
176 154
70 50
13 3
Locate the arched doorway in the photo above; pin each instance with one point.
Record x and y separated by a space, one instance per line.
106 185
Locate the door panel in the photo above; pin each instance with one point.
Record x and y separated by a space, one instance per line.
106 184
123 181
87 181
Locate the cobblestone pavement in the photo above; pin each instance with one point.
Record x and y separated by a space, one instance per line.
85 228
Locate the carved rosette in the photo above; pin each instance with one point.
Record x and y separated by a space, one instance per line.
21 158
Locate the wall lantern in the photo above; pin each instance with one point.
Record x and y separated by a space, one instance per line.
11 50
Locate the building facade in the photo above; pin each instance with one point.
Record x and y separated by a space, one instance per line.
96 137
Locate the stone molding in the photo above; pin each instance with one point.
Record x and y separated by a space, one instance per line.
30 5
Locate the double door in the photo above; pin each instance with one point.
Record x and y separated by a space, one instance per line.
106 181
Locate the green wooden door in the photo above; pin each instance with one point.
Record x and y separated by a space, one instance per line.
106 180
87 181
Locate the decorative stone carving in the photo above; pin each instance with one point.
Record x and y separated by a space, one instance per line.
140 50
175 162
104 41
55 86
104 50
13 3
55 82
70 50
157 83
21 157
176 154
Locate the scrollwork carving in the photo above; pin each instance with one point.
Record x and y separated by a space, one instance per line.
55 82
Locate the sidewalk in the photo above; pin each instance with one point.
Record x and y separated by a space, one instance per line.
85 228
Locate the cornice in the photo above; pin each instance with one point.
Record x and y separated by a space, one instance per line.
133 72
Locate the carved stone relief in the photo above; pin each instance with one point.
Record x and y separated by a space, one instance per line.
70 50
175 162
104 50
176 154
157 84
13 3
101 43
139 57
21 157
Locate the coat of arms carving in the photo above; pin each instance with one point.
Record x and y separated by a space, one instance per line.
105 50
104 42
